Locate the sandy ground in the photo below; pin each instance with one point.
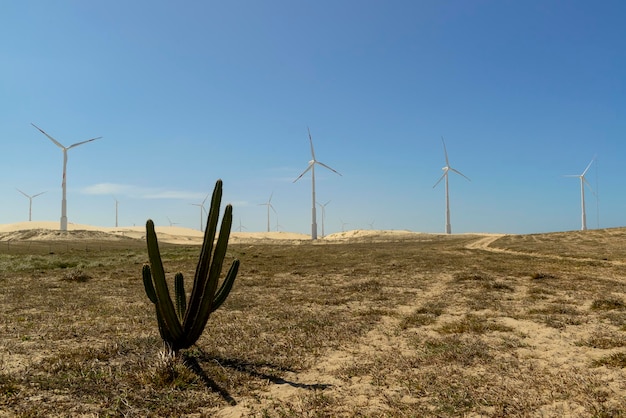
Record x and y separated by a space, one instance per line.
547 347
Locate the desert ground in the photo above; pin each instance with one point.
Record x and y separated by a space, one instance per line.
358 324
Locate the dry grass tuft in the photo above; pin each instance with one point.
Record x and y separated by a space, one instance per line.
77 276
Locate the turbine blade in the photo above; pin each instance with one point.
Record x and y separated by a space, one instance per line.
83 142
584 180
22 192
458 172
49 137
585 172
440 178
311 142
270 205
445 151
304 172
331 169
35 195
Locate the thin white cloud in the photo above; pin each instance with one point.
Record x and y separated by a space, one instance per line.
108 188
141 193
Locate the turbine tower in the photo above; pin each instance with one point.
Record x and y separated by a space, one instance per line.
446 170
583 180
269 205
117 203
63 184
30 203
311 167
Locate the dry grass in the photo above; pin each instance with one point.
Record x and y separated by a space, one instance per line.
422 327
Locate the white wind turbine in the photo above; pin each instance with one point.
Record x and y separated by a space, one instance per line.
30 202
583 180
446 170
311 167
170 221
63 184
269 205
323 215
202 209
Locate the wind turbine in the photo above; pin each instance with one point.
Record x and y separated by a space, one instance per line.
446 170
170 221
583 180
323 215
269 205
241 227
30 202
63 184
343 224
202 209
311 167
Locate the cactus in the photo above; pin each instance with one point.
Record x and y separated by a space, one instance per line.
182 323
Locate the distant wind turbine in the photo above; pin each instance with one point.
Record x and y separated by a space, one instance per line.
583 180
323 215
30 203
311 167
269 205
63 184
447 169
170 221
241 227
343 224
202 209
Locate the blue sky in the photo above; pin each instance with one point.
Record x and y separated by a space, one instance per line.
524 92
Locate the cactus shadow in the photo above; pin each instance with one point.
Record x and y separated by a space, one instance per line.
242 366
193 365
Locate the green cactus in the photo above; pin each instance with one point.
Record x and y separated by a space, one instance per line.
182 324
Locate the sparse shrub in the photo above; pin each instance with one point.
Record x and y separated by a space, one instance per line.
473 324
170 370
617 360
604 340
425 315
8 386
76 275
608 304
454 349
543 276
477 277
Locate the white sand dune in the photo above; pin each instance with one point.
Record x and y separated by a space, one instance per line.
49 230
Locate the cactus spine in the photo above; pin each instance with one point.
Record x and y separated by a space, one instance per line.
182 323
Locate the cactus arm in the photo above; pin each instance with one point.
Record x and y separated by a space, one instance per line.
226 286
164 302
202 316
202 270
147 283
181 298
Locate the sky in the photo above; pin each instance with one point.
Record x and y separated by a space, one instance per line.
182 94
